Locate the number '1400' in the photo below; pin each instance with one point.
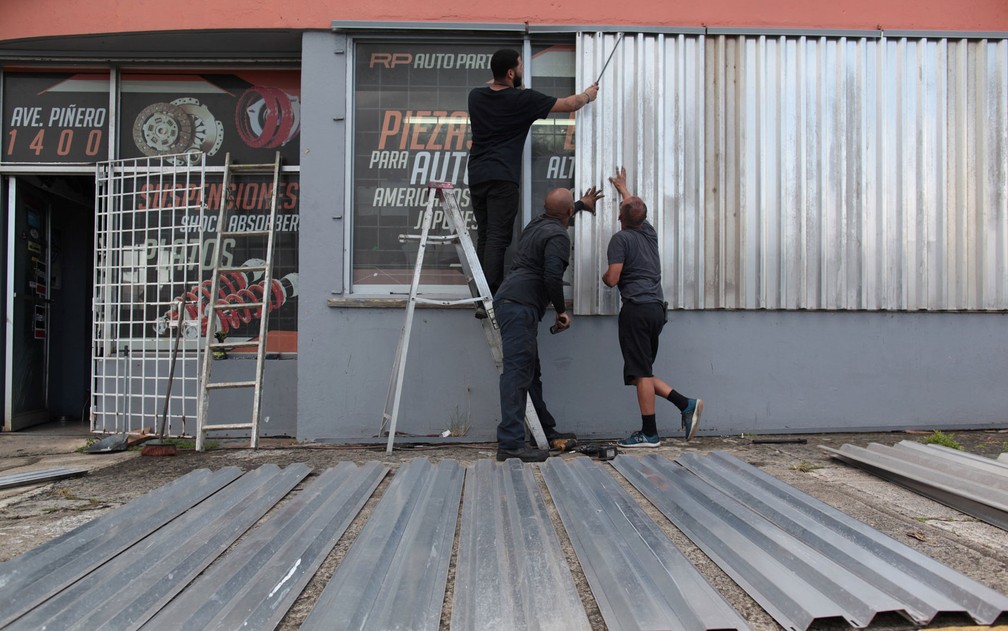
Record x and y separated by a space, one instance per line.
64 144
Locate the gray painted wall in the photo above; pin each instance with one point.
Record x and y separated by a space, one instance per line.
279 404
320 258
758 371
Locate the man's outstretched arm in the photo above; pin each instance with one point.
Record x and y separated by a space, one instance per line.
575 102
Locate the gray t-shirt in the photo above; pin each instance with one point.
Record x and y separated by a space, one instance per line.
637 249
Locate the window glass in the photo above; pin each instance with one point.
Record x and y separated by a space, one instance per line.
411 127
552 138
150 256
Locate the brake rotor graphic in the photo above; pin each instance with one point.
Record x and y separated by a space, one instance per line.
295 106
208 132
162 128
267 117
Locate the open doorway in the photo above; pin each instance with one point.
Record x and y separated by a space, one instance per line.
49 271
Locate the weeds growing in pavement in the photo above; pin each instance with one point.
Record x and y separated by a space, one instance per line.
939 437
805 466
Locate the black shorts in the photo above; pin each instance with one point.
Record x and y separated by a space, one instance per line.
639 329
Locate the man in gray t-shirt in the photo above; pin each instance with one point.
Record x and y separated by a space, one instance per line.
635 267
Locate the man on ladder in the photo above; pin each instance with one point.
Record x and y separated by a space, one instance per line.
534 281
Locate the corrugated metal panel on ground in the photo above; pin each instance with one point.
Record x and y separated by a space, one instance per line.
794 583
129 588
35 477
923 586
640 580
990 471
510 572
37 575
256 582
395 573
794 172
990 465
978 489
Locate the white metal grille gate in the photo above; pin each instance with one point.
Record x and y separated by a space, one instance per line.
149 260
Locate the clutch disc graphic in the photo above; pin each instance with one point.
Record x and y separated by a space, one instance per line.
162 128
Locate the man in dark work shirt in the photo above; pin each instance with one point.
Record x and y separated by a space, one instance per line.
535 281
500 116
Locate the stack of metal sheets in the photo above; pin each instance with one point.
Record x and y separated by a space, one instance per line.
802 560
227 550
967 482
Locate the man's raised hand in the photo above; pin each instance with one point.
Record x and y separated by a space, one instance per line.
619 181
589 198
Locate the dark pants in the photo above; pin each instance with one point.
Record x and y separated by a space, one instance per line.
519 326
495 206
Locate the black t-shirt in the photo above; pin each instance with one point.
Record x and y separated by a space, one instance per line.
500 121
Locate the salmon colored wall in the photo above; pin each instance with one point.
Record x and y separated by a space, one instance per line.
39 18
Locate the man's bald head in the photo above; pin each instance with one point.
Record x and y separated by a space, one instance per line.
633 212
559 204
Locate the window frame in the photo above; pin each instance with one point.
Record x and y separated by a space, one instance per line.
520 41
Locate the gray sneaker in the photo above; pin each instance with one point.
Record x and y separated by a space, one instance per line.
691 417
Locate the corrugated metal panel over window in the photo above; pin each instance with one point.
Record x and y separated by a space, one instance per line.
803 172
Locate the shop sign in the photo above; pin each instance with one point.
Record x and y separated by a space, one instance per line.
250 114
63 117
55 117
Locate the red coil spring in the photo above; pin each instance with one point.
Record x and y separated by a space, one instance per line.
233 290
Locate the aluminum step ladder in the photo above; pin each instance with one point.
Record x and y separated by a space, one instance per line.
481 298
217 308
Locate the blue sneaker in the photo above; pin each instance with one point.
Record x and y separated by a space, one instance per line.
691 417
640 439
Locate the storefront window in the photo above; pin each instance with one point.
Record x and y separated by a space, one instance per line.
249 115
411 127
552 138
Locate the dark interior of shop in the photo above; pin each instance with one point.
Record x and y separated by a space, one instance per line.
53 278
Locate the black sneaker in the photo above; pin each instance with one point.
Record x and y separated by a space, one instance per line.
525 454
